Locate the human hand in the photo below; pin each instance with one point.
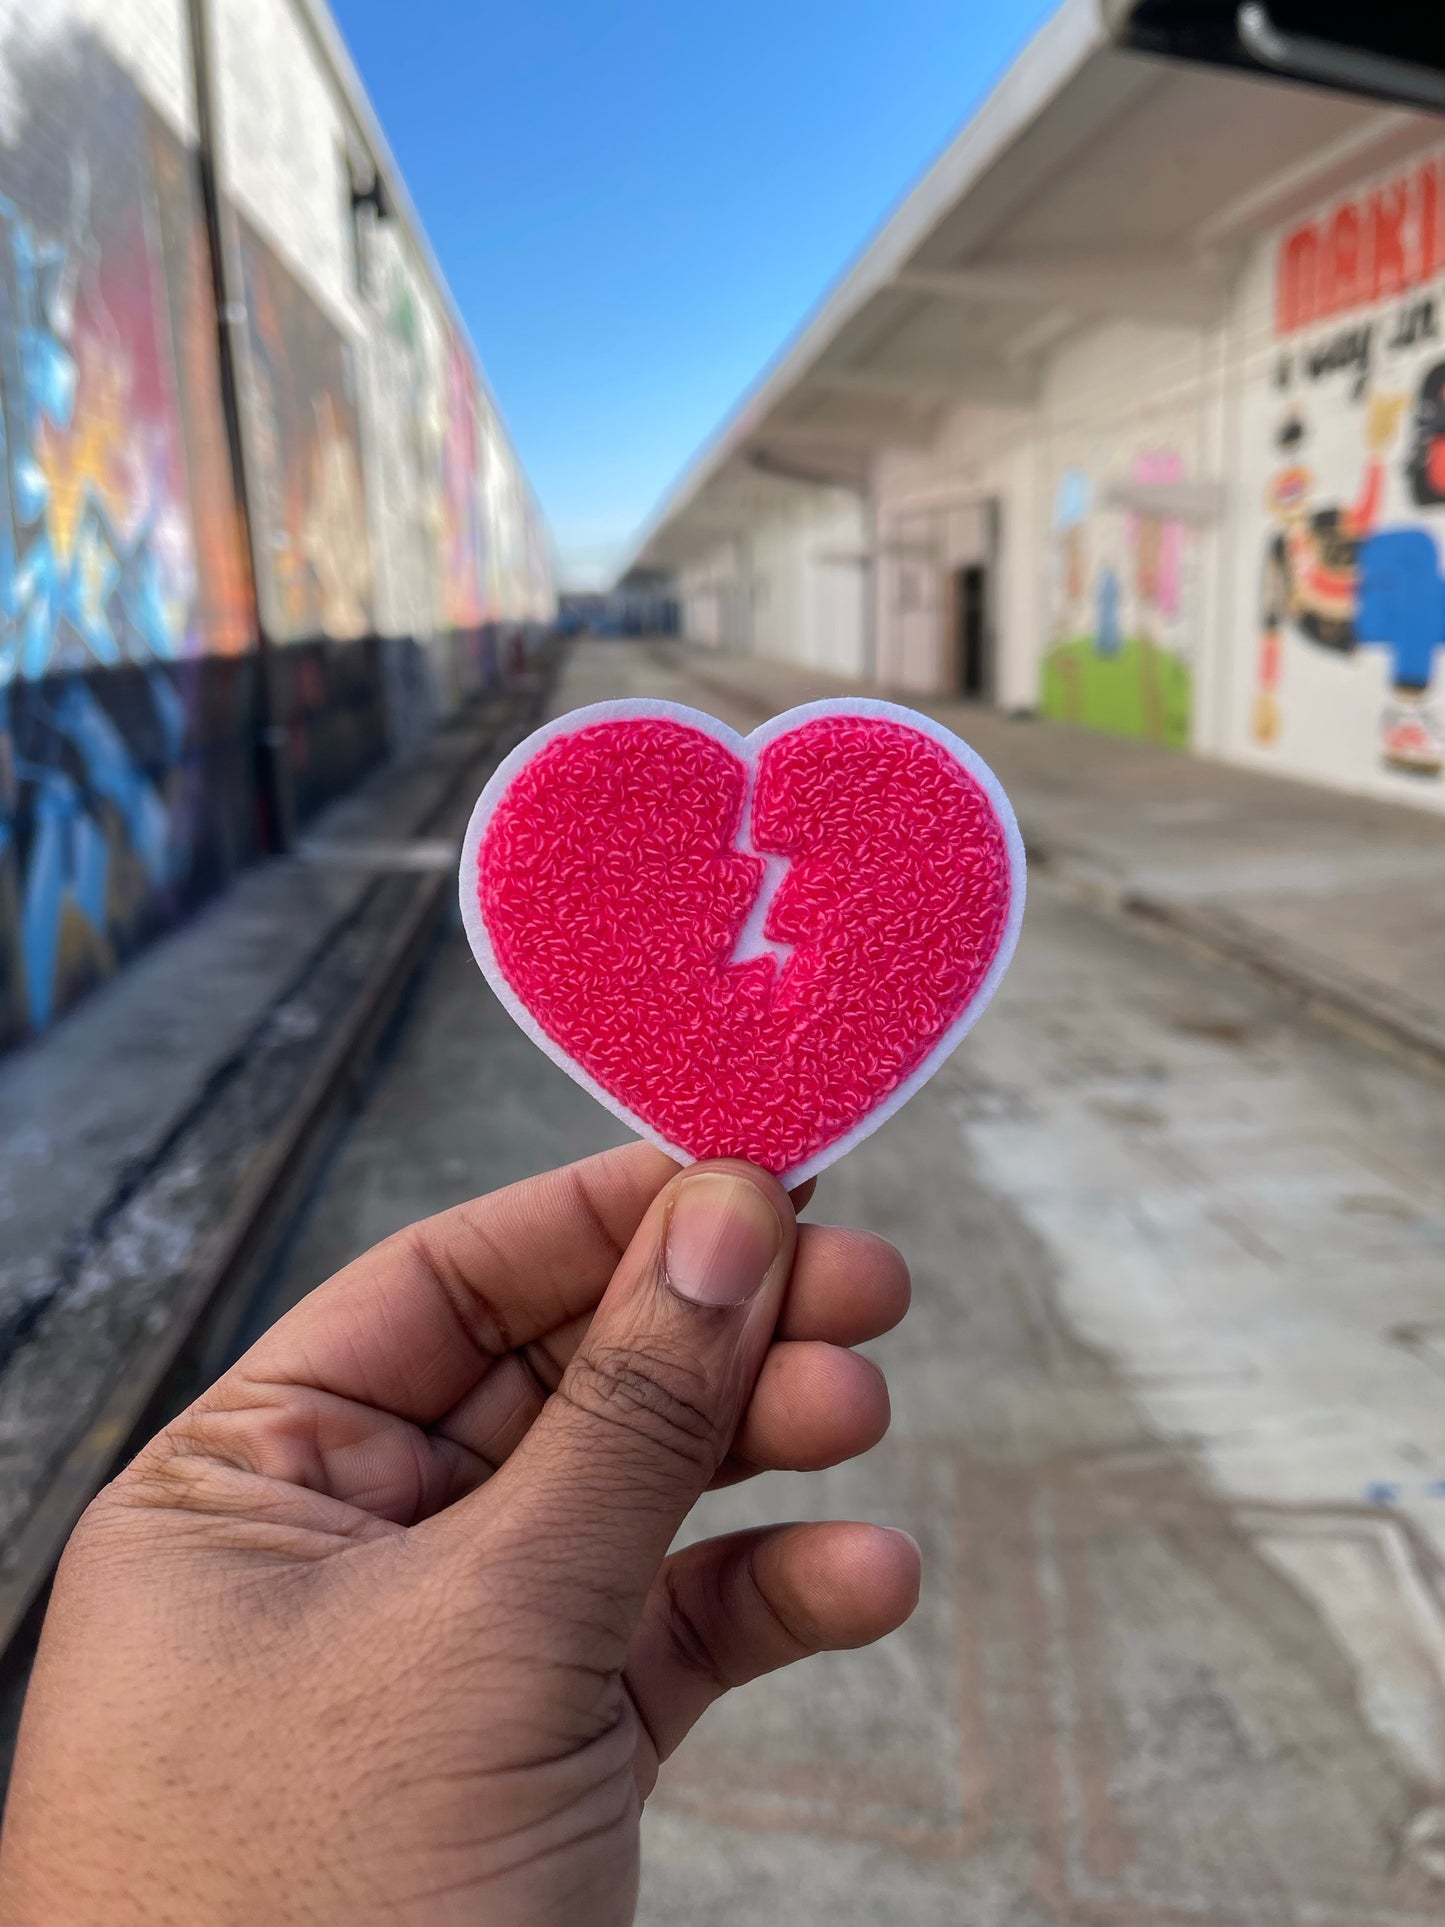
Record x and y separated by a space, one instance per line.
384 1627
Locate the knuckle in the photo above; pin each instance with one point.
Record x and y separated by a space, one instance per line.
661 1398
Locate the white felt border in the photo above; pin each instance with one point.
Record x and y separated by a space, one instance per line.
746 748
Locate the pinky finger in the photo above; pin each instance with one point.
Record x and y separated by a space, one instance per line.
727 1610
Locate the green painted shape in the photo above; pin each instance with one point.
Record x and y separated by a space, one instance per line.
1143 691
404 321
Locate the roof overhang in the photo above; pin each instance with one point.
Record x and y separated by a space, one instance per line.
1093 184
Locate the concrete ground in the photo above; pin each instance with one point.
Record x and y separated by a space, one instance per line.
82 1105
144 1140
1167 1421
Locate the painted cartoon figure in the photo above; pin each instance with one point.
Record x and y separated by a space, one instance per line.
1118 657
1341 583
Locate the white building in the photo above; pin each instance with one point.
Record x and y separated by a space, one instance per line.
1133 414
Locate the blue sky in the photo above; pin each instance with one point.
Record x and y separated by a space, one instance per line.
637 203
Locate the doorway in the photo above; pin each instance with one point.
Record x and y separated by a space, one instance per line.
972 633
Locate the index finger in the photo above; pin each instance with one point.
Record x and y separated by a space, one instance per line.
412 1325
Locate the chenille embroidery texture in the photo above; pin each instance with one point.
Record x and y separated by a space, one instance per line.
614 894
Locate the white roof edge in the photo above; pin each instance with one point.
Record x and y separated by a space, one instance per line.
1050 60
331 44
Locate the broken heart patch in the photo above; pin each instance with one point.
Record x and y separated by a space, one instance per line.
753 947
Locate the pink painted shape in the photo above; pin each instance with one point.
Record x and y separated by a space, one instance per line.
1155 466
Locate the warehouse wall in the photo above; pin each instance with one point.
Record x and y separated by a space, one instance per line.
1123 409
806 579
126 680
966 500
395 533
1299 625
793 588
714 595
1334 649
403 400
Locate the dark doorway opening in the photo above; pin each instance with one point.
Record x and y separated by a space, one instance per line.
973 636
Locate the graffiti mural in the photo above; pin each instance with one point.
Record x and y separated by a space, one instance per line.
132 698
1121 626
305 442
506 513
110 499
224 614
407 440
464 545
1349 433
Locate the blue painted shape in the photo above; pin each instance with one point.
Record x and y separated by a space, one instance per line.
89 869
43 902
1401 602
111 772
1107 637
170 712
51 373
31 489
1073 498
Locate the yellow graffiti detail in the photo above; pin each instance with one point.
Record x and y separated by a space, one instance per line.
94 458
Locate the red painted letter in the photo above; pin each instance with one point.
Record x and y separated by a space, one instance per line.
1340 268
1296 278
1427 196
1388 271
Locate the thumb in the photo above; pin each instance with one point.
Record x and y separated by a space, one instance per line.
648 1406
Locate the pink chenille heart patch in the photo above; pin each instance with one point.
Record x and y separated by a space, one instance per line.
752 947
